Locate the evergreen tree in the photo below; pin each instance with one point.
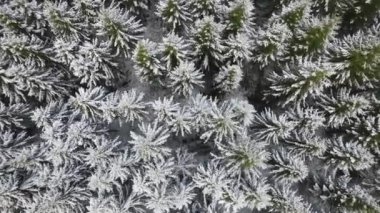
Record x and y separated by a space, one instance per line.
122 29
206 41
189 106
174 13
148 65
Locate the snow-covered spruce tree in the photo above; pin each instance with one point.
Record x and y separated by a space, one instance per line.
135 6
94 63
202 8
337 194
174 13
238 49
206 40
164 109
300 80
148 67
268 45
311 37
22 16
284 198
366 130
63 21
222 122
87 102
124 106
348 155
272 39
23 49
184 78
270 127
244 155
199 107
238 17
122 29
29 81
288 168
148 144
174 50
87 10
65 52
357 58
229 78
293 13
10 87
356 14
189 106
12 115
